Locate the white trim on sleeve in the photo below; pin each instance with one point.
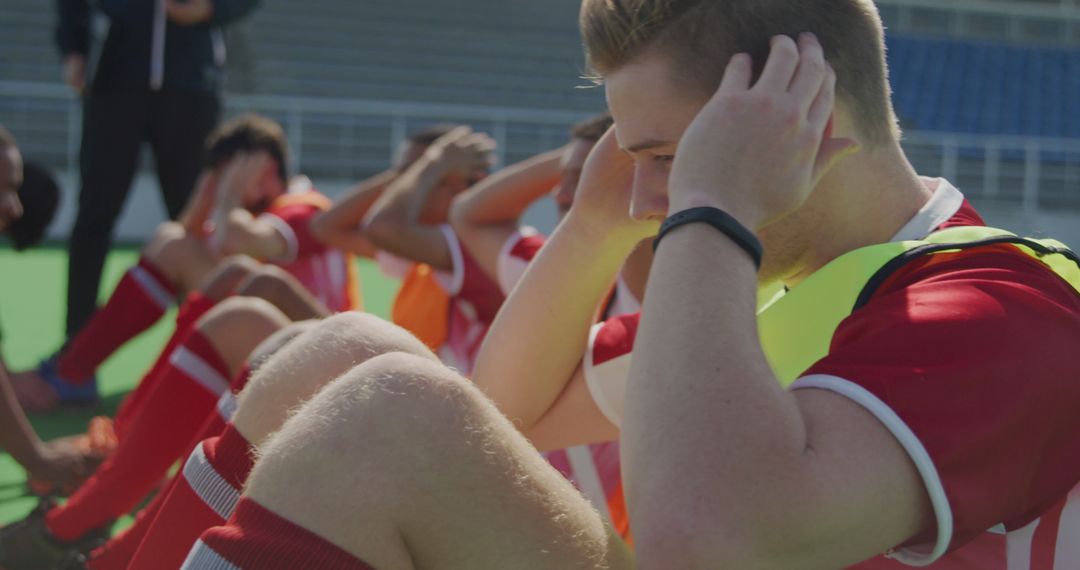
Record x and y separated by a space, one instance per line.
292 244
603 395
392 265
453 282
508 268
911 556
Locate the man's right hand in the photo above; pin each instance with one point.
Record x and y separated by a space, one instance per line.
605 192
240 179
75 72
462 151
64 462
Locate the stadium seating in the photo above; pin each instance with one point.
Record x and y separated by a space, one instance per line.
965 86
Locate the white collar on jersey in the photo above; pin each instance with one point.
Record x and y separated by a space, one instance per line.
941 206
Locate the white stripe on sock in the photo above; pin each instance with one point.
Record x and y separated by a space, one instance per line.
209 485
202 557
226 406
194 366
150 284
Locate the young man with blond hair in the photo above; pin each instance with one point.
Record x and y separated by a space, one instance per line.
919 430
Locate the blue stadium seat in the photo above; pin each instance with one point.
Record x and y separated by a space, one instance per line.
985 87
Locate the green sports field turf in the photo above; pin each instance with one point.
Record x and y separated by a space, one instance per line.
32 286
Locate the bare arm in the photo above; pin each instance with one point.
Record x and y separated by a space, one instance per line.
489 213
780 480
201 205
236 230
18 438
394 223
554 303
342 225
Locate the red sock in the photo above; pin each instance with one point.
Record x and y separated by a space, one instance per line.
204 496
172 415
255 537
196 305
119 551
141 297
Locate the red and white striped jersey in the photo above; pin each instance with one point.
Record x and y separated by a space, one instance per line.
327 272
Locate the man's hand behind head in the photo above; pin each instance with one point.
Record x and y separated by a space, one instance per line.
463 151
758 150
244 179
604 193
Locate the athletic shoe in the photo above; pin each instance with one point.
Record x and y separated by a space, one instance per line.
71 392
28 545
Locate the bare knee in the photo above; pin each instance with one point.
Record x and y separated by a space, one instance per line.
237 325
372 336
169 243
314 359
404 406
284 291
181 256
227 276
277 341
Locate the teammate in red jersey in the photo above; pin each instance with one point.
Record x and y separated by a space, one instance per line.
410 222
187 396
244 205
487 219
929 425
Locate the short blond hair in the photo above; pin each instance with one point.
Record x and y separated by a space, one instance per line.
700 36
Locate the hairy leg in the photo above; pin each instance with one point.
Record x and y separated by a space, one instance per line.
292 375
403 463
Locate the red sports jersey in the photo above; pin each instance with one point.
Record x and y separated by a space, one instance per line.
963 356
474 300
327 272
515 255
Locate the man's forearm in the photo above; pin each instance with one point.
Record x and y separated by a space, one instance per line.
227 201
506 195
17 436
702 398
338 225
541 333
404 198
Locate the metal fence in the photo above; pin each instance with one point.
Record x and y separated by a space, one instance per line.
329 138
1042 21
347 139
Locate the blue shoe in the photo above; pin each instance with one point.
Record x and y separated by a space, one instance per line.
70 392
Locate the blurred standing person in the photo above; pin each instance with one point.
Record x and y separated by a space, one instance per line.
157 78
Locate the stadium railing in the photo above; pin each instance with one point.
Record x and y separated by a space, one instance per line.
345 139
1040 21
